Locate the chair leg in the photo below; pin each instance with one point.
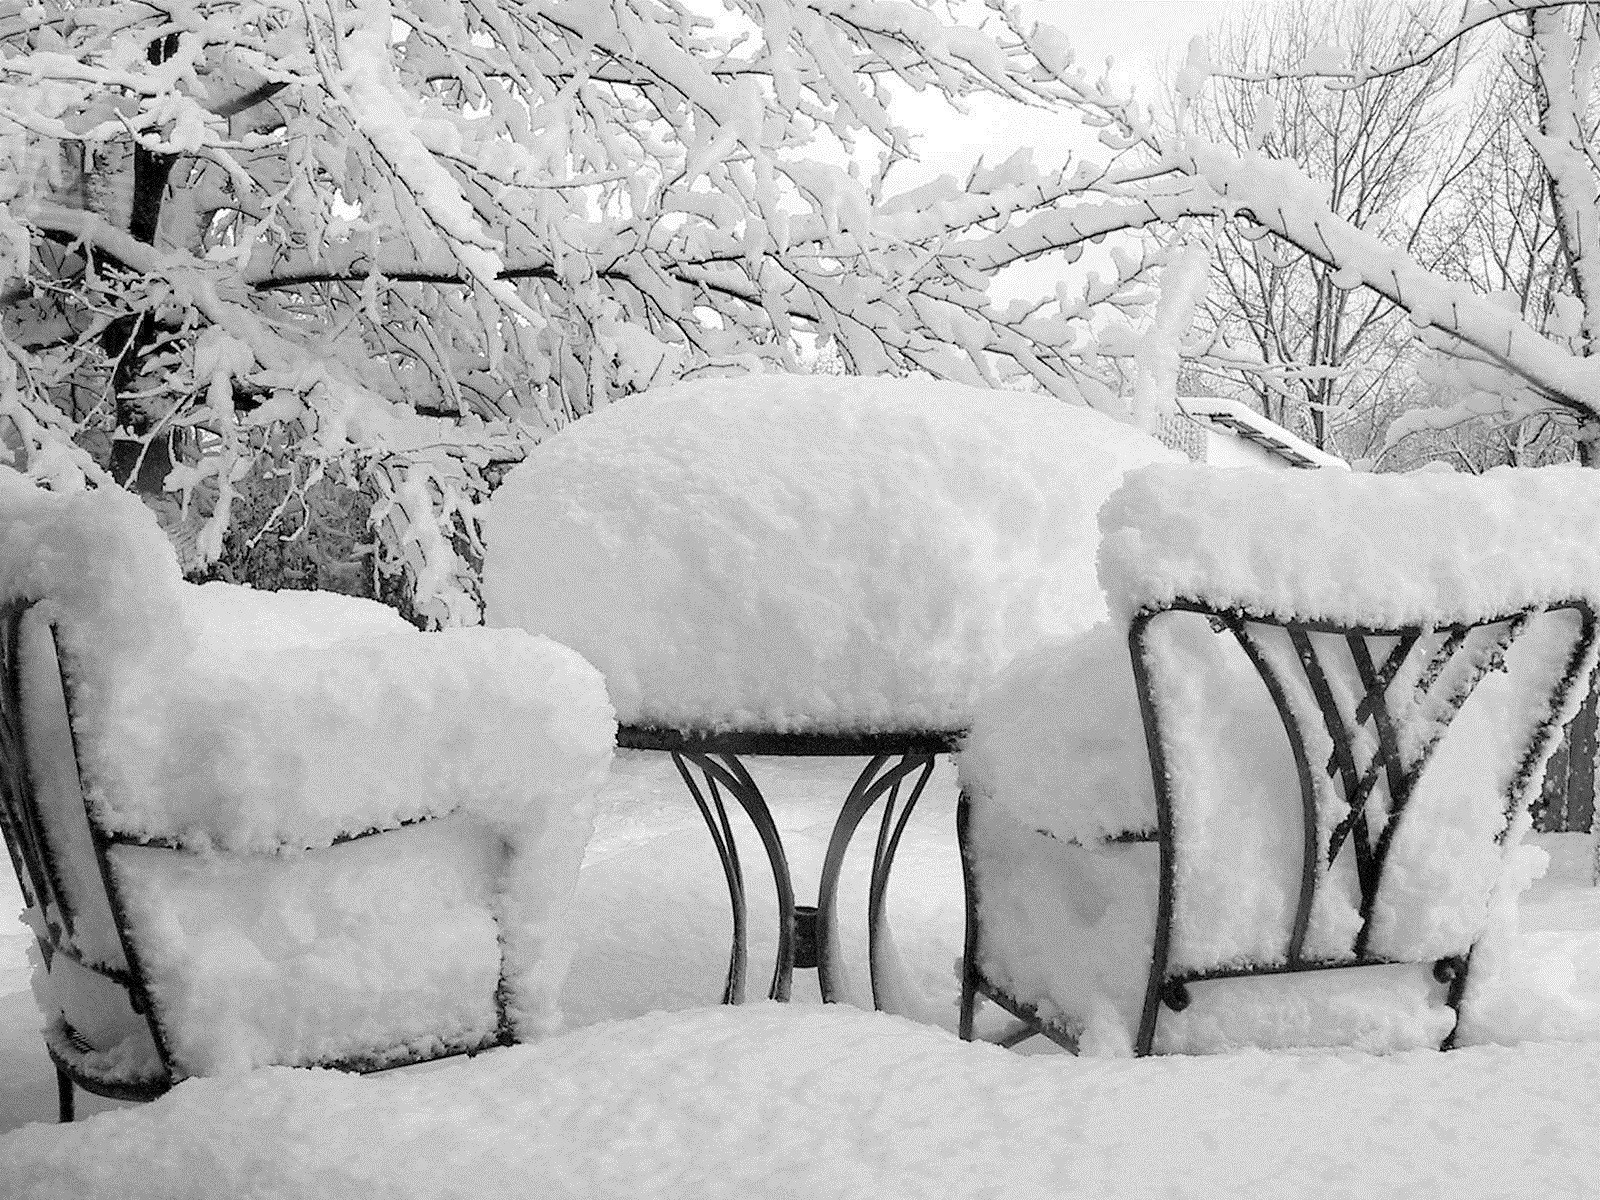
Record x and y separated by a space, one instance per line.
969 997
65 1109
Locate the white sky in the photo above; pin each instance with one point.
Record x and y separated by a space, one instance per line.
1142 37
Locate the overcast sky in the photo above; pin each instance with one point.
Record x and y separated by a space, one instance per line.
1141 36
1137 33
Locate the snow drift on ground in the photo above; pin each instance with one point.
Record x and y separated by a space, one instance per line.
772 1100
808 552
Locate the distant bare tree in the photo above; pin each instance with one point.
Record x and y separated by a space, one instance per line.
1334 363
1502 234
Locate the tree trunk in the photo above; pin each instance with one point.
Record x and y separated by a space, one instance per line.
135 461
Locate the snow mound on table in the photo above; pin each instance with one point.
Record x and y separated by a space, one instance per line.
767 1100
808 552
1381 550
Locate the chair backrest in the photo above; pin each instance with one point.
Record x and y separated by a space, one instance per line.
59 855
1411 749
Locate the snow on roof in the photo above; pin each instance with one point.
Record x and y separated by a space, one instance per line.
1243 421
808 552
1370 549
770 1099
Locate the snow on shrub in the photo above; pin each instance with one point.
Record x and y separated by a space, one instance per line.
808 552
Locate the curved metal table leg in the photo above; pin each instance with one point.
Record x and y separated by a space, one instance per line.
725 771
881 778
876 779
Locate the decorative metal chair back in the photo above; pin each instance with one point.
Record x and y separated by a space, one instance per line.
1364 710
47 844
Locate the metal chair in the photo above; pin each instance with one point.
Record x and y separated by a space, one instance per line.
1364 712
114 1037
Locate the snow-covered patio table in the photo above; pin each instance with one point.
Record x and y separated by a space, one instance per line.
807 565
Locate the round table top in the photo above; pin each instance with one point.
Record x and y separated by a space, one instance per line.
808 552
792 744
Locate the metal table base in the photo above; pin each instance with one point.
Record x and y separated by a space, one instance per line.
808 936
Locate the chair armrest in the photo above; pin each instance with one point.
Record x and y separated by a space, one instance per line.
1058 743
302 744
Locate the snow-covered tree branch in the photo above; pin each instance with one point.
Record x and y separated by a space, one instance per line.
418 235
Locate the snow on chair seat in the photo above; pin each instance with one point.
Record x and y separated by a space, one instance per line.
1304 742
258 828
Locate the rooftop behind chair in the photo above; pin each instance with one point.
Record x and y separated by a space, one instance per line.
1305 742
288 828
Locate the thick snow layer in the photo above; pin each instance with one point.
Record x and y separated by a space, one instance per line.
295 745
366 949
808 552
1383 550
239 623
769 1100
1059 741
1057 762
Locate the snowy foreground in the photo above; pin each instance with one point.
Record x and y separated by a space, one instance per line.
768 1101
774 1101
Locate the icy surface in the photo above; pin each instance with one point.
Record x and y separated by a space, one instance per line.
1374 549
768 1100
808 552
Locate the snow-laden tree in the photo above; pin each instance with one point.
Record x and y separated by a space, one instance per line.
1492 359
400 240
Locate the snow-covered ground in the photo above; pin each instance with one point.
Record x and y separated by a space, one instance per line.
766 1101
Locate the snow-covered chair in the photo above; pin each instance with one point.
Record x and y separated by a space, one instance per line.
275 828
1306 740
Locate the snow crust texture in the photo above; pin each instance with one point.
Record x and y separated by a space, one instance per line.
258 731
768 1100
808 552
